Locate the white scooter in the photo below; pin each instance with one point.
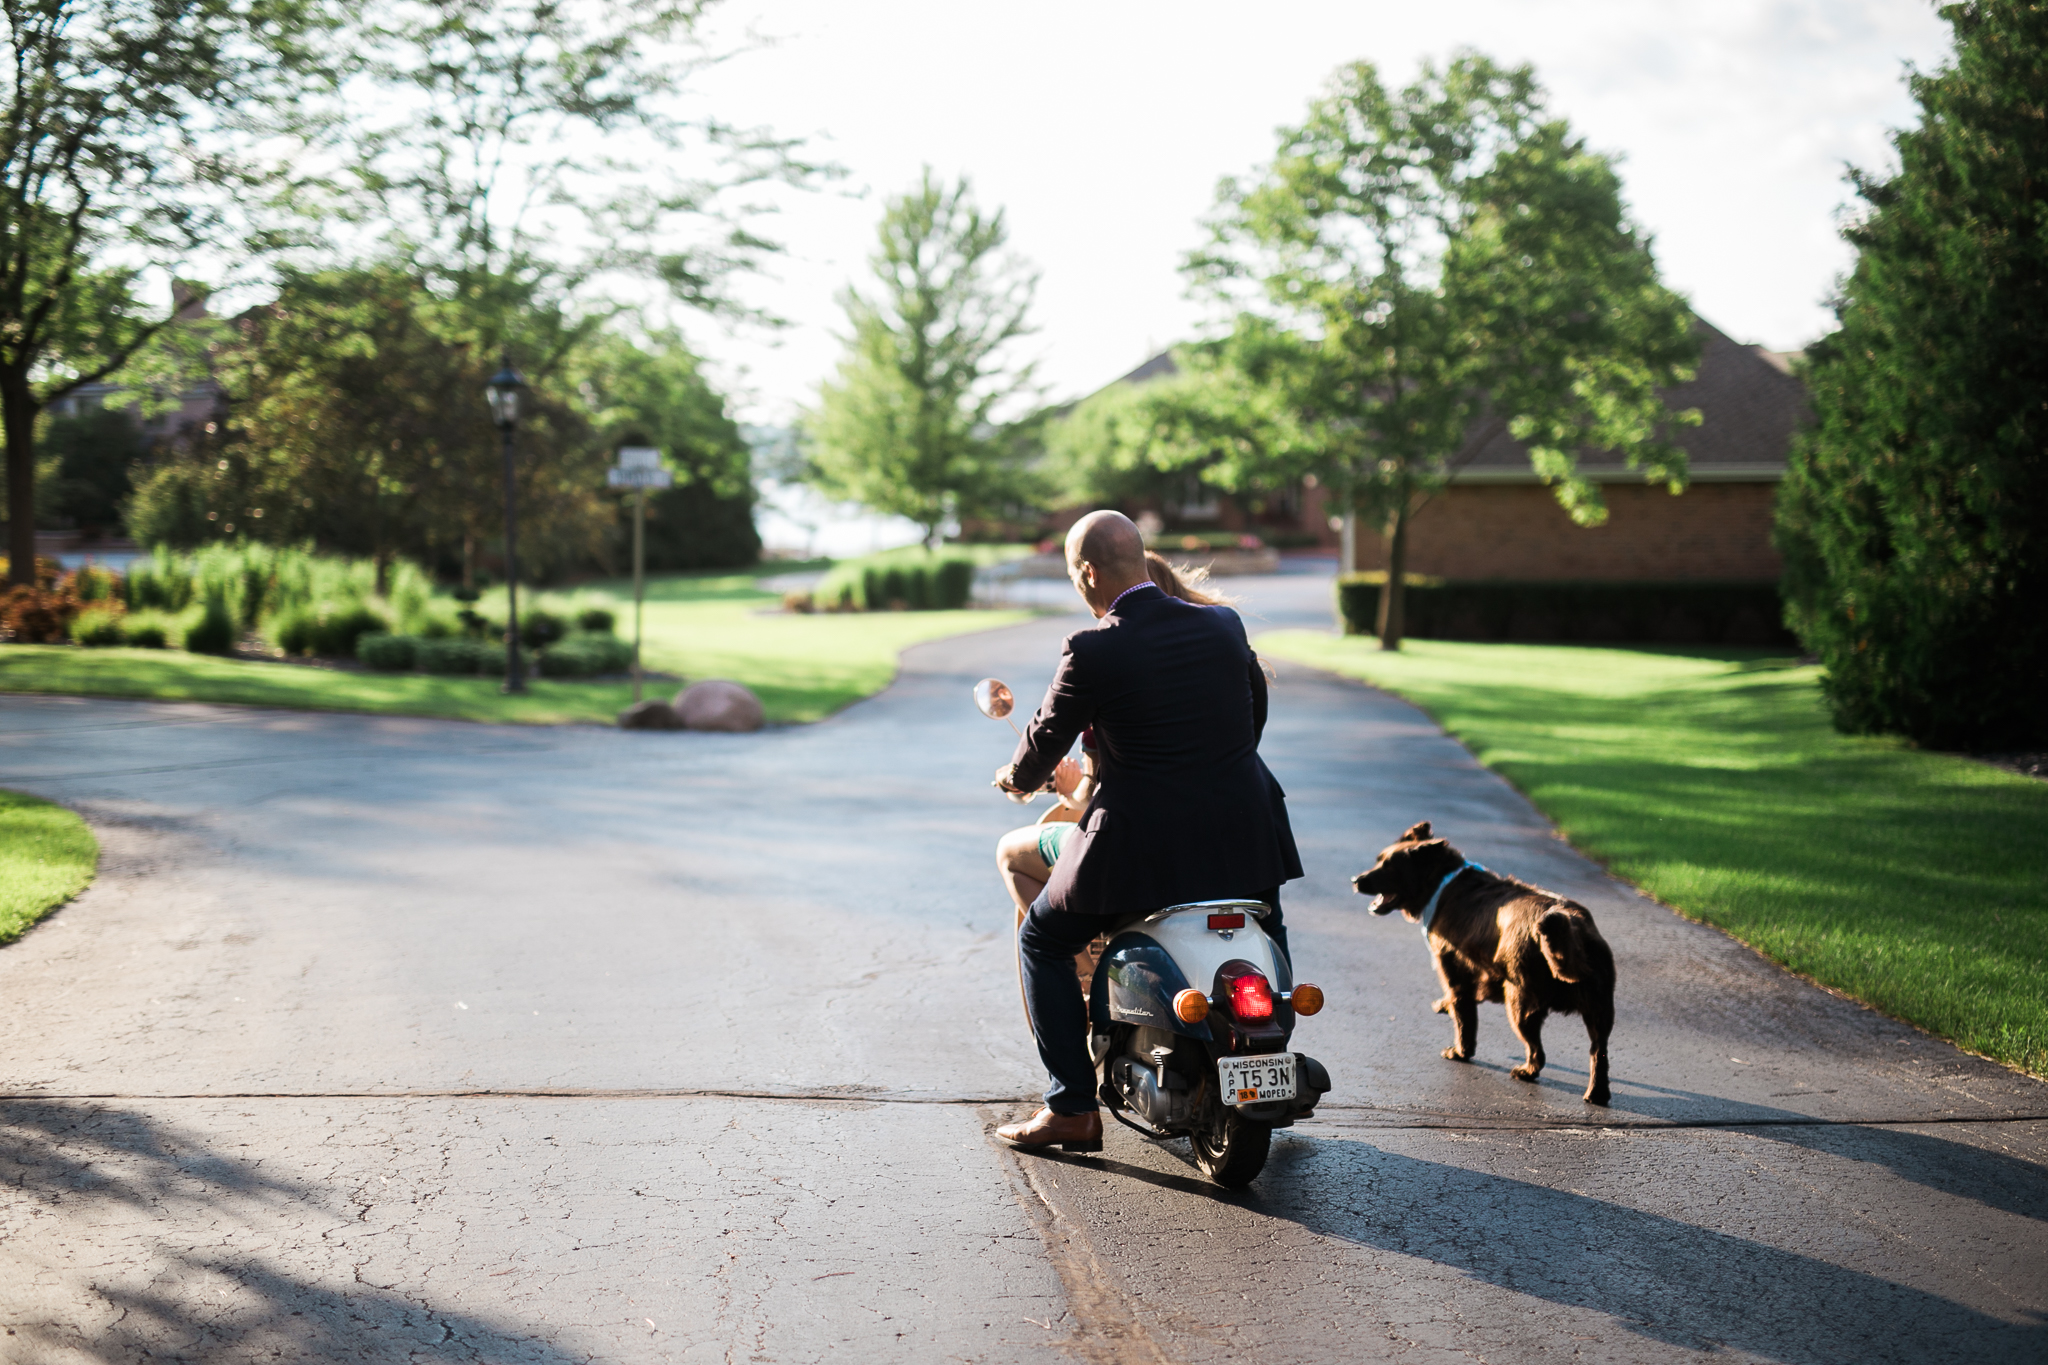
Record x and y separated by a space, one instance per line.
1190 1013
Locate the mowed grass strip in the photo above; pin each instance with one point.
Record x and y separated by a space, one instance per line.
47 856
803 667
1915 881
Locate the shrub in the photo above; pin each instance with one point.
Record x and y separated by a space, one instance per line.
1167 541
539 628
329 631
215 632
598 620
37 616
48 570
145 635
150 630
99 627
1590 612
385 652
586 656
161 582
459 656
94 583
893 582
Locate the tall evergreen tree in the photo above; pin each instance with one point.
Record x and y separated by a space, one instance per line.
909 426
1914 517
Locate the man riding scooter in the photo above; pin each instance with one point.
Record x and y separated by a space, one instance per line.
1183 808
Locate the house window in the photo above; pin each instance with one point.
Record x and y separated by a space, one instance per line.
1193 500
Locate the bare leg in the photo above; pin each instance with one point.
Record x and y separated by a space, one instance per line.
1025 873
1023 869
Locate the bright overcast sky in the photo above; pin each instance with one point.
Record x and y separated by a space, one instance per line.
1102 129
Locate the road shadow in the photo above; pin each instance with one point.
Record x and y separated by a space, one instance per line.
1995 1179
88 1165
1958 1169
1690 1288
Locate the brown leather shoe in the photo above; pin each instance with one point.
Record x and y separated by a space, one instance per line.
1071 1132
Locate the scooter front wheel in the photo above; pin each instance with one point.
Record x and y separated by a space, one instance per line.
1230 1149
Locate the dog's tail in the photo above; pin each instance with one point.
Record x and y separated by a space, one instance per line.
1560 939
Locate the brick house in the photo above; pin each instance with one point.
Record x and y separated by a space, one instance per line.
1496 520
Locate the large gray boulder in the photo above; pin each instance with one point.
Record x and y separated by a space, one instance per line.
650 715
718 705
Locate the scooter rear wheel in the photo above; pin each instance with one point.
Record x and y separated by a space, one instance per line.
1231 1150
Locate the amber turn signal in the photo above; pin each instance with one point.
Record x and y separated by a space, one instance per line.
1191 1006
1307 999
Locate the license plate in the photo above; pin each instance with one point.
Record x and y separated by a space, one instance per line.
1253 1080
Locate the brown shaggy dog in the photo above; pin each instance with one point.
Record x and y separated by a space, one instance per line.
1496 938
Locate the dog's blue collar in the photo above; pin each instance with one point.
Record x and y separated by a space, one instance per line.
1429 910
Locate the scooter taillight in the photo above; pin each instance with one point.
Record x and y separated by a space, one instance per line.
1251 997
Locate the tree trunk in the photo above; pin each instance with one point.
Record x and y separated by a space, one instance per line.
384 573
468 561
1394 592
18 409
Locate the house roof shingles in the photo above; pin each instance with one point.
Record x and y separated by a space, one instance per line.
1750 405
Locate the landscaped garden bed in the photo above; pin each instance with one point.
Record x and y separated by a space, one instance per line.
803 668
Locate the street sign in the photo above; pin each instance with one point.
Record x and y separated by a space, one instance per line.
639 457
638 478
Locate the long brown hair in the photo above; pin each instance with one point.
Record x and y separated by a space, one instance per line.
1188 589
1191 589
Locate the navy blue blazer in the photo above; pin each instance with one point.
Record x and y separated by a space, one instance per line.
1184 808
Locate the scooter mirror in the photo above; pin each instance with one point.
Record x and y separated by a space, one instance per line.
993 698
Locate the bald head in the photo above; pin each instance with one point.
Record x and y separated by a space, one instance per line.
1105 555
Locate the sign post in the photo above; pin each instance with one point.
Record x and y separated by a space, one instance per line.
639 469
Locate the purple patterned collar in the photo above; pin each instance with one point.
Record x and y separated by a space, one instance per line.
1148 583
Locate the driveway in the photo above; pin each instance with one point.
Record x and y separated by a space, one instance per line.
390 1040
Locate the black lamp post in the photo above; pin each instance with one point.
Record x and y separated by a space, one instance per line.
503 395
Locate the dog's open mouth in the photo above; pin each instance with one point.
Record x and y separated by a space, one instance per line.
1382 904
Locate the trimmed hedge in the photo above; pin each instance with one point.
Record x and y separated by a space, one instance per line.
1589 612
459 656
898 580
328 631
587 655
387 653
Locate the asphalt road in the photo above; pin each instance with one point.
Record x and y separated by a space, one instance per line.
407 1040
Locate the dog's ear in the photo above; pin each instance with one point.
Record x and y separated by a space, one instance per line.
1416 833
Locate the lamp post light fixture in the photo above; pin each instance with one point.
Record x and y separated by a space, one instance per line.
503 394
639 469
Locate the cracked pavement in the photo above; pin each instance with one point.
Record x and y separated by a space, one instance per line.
390 1040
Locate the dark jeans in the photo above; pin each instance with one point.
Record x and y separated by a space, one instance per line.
1059 1017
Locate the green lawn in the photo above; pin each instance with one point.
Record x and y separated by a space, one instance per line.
47 855
1915 881
714 626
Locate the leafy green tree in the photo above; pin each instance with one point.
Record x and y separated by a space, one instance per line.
134 135
510 122
355 421
1914 516
1414 262
910 426
655 391
85 467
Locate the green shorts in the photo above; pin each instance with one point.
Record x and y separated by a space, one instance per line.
1052 838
